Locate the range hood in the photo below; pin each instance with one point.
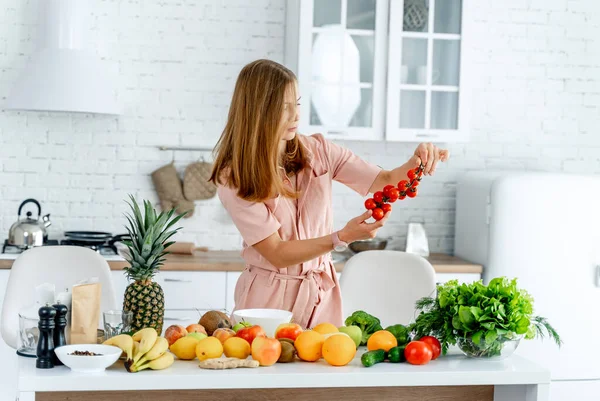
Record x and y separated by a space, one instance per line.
63 74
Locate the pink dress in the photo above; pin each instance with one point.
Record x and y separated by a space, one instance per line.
309 290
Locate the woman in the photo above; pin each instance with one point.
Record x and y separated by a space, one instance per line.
276 186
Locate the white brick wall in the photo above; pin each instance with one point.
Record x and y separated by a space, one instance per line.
535 105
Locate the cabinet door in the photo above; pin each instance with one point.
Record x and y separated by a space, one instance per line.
232 278
427 97
186 289
183 289
340 53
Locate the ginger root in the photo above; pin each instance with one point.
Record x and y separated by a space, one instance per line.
228 363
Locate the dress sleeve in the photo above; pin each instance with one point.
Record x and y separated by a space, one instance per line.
254 220
348 168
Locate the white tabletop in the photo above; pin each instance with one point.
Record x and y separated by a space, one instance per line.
186 375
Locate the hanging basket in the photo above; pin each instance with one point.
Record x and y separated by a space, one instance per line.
416 14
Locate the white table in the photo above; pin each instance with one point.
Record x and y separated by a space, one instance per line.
455 377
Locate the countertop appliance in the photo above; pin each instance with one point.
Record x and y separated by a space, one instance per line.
101 242
28 232
543 229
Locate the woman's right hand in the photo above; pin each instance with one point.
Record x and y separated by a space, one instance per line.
358 229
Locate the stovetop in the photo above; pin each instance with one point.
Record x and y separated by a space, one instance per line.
102 249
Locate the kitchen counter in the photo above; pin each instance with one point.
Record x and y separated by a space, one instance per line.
452 377
231 261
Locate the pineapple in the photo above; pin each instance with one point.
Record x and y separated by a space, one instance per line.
149 233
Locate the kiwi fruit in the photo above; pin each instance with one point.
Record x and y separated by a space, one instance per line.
288 351
213 320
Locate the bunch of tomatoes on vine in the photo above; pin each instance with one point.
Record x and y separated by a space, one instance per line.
381 201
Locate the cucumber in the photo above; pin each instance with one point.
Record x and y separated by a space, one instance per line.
396 354
370 358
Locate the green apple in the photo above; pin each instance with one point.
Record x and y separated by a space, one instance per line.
354 332
197 336
241 325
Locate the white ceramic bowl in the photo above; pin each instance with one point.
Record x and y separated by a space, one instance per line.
88 364
268 319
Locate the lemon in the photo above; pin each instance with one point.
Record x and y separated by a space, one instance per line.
209 348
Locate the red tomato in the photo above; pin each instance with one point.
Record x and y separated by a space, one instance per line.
370 204
393 195
418 353
411 193
387 189
402 196
411 174
402 185
434 344
415 183
377 214
386 207
378 197
250 333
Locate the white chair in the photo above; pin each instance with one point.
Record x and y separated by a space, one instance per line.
62 266
386 284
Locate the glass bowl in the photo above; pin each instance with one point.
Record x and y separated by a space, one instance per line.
499 349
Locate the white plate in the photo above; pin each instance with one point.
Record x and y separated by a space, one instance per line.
88 364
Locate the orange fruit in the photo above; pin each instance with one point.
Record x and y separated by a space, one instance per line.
209 348
339 350
381 339
236 347
308 345
325 328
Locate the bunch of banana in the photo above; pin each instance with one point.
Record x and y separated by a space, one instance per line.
144 350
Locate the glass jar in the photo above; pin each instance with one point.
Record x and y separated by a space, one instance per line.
29 335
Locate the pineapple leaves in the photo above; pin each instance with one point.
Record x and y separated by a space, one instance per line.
149 234
138 215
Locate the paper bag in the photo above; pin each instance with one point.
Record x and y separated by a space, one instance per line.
85 313
416 240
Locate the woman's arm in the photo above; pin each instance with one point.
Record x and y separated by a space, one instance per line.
282 253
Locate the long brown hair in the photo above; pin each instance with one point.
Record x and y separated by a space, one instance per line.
247 154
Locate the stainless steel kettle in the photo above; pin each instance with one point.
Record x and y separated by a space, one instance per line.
29 232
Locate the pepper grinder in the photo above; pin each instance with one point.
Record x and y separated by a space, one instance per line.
45 348
60 323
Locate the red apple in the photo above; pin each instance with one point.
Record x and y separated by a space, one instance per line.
288 330
174 333
266 350
250 333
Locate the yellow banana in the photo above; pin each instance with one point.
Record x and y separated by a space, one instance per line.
162 362
160 347
147 338
136 347
123 341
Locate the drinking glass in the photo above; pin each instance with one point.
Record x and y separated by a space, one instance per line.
116 322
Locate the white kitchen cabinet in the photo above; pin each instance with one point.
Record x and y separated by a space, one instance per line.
232 278
337 48
427 71
360 80
183 289
461 277
8 356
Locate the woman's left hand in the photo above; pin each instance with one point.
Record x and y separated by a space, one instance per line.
429 155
